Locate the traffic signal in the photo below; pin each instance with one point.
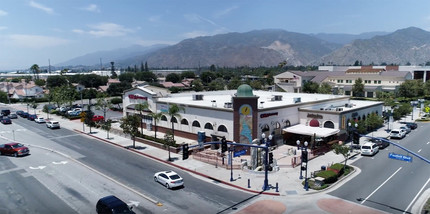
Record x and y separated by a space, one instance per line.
270 157
184 151
356 138
223 145
304 156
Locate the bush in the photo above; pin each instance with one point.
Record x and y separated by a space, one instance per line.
329 176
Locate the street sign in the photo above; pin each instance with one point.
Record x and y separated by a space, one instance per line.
82 114
239 153
427 109
400 157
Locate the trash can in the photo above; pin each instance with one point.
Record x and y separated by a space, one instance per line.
323 168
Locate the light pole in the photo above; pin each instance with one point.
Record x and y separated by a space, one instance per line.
304 159
350 135
266 161
301 160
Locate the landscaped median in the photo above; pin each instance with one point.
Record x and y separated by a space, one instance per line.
322 179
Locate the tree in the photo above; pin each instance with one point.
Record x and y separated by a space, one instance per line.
107 126
216 85
324 88
169 140
35 70
358 88
343 150
156 117
103 104
56 81
173 112
412 89
89 93
129 126
63 94
173 77
146 66
234 83
207 77
197 85
116 89
88 120
3 97
116 101
141 107
255 84
310 87
126 77
146 76
34 105
188 74
92 80
40 82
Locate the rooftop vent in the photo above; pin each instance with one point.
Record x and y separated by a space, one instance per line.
228 105
297 99
277 98
197 96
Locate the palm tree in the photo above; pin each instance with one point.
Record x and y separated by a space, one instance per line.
156 117
35 69
174 112
141 107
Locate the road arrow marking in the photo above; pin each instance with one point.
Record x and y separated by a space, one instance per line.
133 203
61 162
39 167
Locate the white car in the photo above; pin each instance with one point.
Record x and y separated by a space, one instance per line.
369 149
406 129
397 133
75 111
40 120
52 124
170 179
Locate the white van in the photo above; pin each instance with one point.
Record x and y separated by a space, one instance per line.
369 149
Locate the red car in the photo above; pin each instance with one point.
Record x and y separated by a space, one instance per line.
98 118
15 149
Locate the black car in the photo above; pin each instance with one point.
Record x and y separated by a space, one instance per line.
411 125
6 120
31 117
5 112
24 114
112 204
19 112
381 142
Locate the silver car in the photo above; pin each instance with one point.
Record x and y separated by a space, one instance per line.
52 124
170 179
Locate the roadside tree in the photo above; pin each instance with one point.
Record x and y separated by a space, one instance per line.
173 113
141 107
156 117
129 126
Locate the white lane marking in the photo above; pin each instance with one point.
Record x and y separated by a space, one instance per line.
133 203
381 185
428 142
416 196
39 167
61 162
419 150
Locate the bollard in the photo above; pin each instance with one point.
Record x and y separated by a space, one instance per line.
277 190
249 183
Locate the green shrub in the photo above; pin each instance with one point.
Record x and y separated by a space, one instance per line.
329 176
337 166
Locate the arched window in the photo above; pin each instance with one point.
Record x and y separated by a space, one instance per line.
184 121
164 118
174 120
329 124
209 126
277 128
314 123
196 124
265 128
222 128
287 124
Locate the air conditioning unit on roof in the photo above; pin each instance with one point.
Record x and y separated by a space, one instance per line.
197 96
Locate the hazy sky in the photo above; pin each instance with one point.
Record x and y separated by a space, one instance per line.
35 31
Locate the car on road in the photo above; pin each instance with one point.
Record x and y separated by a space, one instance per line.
411 125
406 129
112 204
40 120
13 116
5 112
52 124
6 120
397 133
19 112
381 142
14 149
24 114
98 118
31 117
369 149
170 179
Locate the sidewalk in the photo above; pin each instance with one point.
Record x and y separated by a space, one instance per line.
290 187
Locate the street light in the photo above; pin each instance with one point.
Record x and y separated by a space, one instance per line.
304 159
350 135
266 160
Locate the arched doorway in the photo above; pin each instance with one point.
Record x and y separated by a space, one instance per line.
314 123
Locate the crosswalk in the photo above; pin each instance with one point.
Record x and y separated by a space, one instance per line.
11 131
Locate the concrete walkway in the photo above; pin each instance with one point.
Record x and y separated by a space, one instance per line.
289 197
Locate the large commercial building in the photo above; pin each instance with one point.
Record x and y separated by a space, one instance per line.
242 115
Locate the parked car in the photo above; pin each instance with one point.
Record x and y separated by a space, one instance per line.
40 120
6 120
19 112
170 179
73 111
411 125
24 114
397 133
15 149
406 129
52 124
381 142
31 117
112 204
369 149
63 108
13 116
5 112
98 118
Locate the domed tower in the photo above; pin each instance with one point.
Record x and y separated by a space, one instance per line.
245 115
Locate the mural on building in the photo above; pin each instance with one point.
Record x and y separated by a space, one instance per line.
245 112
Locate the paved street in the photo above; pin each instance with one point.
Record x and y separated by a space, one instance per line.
292 197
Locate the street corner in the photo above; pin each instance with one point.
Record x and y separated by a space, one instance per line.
264 206
337 206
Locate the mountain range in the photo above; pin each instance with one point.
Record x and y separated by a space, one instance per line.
269 47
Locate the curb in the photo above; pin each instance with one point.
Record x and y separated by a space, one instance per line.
181 167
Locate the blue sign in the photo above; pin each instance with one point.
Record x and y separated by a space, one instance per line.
239 153
400 157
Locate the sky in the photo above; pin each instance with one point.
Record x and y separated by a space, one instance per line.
53 31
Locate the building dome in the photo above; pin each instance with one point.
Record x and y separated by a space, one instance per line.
244 90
